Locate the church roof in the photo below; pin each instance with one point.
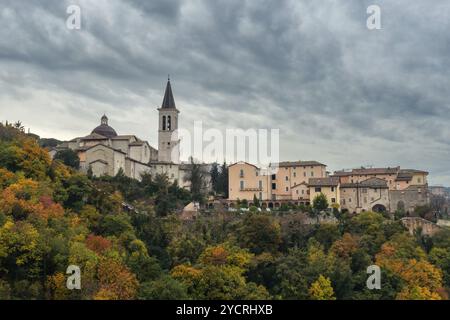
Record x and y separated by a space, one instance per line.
94 136
104 129
169 101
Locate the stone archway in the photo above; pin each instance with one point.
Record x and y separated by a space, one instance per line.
379 208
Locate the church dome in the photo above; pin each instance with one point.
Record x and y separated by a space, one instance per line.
104 129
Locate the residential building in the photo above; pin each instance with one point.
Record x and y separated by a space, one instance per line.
328 186
284 182
368 195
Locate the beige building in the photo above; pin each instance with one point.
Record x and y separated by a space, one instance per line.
407 188
358 190
285 182
396 178
368 195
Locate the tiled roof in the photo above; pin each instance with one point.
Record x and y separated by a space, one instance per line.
299 163
323 182
94 136
369 183
367 171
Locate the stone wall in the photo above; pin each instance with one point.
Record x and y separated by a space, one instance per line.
408 198
414 223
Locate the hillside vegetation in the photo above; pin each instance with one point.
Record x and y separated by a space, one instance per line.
128 240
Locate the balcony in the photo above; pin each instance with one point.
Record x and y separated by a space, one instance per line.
251 189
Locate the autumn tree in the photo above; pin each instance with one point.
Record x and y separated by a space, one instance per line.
321 289
260 233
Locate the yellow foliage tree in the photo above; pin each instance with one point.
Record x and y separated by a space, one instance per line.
321 289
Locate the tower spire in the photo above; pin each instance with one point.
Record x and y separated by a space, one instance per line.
169 101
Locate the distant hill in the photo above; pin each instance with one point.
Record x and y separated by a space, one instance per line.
49 142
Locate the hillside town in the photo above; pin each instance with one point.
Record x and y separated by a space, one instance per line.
103 152
356 190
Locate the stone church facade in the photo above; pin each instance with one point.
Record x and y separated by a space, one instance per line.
106 153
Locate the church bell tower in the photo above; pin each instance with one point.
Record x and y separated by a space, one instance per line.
168 142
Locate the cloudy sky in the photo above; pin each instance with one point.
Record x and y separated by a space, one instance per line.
339 93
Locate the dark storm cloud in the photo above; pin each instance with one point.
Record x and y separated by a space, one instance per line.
340 93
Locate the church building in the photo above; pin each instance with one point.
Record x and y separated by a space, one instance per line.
105 152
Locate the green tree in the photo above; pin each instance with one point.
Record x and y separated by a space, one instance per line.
260 233
68 157
320 202
196 178
214 172
256 201
164 288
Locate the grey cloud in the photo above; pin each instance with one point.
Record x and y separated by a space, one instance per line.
310 68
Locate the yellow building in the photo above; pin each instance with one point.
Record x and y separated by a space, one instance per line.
246 181
328 186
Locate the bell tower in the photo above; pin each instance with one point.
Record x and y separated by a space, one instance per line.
168 142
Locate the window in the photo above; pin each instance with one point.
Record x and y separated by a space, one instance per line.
332 189
164 123
287 189
274 177
303 191
333 200
242 185
349 200
318 189
312 173
260 196
169 123
257 173
241 174
274 186
304 174
295 174
287 178
296 191
260 184
343 201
